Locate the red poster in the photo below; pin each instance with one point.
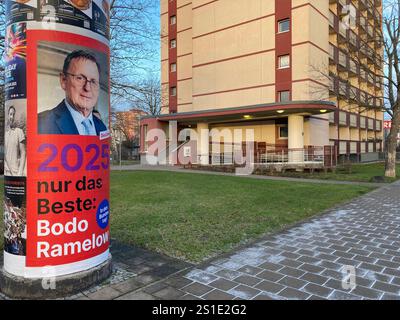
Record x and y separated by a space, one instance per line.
68 167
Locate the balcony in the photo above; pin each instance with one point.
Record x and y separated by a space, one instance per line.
378 125
353 40
333 23
371 79
363 122
370 124
354 94
334 85
343 38
333 54
342 118
363 25
343 89
343 61
353 68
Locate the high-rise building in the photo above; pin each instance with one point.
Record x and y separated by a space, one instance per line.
300 73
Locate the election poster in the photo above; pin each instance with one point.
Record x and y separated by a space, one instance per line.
57 137
68 203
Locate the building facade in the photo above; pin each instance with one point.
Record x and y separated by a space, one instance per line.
300 73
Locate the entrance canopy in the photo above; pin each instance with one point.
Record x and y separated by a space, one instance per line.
255 112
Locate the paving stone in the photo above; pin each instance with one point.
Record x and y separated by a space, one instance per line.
202 277
371 267
314 278
292 272
127 286
366 292
197 289
268 296
137 296
396 281
335 284
155 287
291 263
332 274
218 295
228 274
244 292
391 272
290 255
388 264
304 252
330 265
388 296
252 270
311 268
106 293
269 286
342 254
271 276
340 295
169 293
248 280
314 297
317 290
223 284
294 294
365 259
145 279
270 266
309 260
178 282
292 282
325 256
386 287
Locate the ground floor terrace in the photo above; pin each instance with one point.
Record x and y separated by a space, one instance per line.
296 134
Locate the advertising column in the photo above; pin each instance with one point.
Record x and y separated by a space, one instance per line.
57 139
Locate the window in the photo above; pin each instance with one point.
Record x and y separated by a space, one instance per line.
283 96
173 67
283 26
173 44
283 132
173 91
172 20
284 62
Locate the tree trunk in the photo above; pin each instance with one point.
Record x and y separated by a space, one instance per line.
391 146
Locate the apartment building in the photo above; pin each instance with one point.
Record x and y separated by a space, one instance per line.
300 73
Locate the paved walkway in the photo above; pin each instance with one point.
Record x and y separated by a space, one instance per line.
140 167
304 262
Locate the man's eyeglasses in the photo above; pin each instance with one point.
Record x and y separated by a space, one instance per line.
81 80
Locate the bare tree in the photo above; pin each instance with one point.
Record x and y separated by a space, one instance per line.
391 43
134 44
150 97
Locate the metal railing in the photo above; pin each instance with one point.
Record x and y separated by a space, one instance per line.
226 153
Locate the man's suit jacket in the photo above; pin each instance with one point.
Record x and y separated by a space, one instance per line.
59 121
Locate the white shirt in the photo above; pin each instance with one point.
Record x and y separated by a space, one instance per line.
78 118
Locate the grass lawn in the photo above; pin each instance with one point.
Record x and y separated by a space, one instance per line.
356 172
195 216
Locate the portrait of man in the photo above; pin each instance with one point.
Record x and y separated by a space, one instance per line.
14 146
80 80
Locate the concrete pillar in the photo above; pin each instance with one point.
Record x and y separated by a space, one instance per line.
296 138
203 145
